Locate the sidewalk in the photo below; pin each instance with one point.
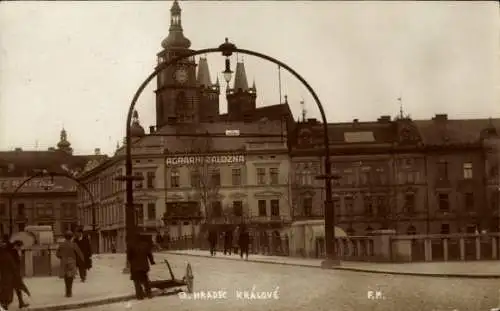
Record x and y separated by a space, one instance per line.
471 269
105 284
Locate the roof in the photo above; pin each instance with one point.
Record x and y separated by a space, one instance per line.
435 132
27 163
175 144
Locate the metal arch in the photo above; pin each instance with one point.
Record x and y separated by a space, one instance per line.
227 49
41 175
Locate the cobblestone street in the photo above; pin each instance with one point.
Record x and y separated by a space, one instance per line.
302 288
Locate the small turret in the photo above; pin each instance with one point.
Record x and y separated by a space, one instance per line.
64 144
175 39
136 130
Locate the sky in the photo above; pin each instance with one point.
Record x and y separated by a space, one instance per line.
77 65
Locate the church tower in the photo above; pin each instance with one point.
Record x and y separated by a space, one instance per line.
177 93
241 99
209 93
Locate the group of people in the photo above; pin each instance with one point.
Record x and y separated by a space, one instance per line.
10 273
75 254
242 239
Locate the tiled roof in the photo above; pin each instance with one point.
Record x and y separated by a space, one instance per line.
25 163
274 112
185 144
437 131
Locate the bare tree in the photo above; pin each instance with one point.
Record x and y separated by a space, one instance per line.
205 178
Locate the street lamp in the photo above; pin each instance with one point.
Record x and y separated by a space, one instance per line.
227 73
227 49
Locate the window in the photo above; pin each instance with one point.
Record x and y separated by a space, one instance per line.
443 201
261 176
215 177
445 229
262 208
469 201
195 178
443 170
21 226
364 178
21 210
139 213
410 177
216 209
138 182
274 176
349 205
351 179
175 179
44 209
151 180
3 209
69 210
238 208
151 211
494 201
411 230
409 202
275 207
467 170
236 176
307 206
336 205
368 204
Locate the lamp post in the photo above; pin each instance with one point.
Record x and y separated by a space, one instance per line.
227 49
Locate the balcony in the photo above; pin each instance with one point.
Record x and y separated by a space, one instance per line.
311 216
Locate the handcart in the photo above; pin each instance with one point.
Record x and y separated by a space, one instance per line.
186 281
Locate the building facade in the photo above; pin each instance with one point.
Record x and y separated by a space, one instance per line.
413 176
30 196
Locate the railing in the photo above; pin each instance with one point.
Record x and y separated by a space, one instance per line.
266 244
402 248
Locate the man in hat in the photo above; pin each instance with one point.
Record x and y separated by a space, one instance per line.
9 274
69 253
84 245
140 256
15 249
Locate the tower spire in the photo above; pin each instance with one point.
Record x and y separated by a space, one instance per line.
303 108
240 78
203 78
175 39
401 113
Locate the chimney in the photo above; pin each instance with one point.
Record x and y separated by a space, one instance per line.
51 149
18 149
97 151
151 129
440 117
384 119
355 121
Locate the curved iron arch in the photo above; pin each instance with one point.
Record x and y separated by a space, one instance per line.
50 174
227 49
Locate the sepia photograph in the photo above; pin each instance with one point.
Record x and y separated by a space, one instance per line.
249 155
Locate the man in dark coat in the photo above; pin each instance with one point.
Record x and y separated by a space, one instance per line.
15 249
228 242
9 275
84 246
140 255
244 240
212 240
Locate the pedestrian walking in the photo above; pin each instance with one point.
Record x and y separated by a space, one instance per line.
212 240
83 243
9 274
140 256
228 241
19 287
69 253
244 240
236 235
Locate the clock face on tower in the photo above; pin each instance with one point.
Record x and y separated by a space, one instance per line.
181 75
